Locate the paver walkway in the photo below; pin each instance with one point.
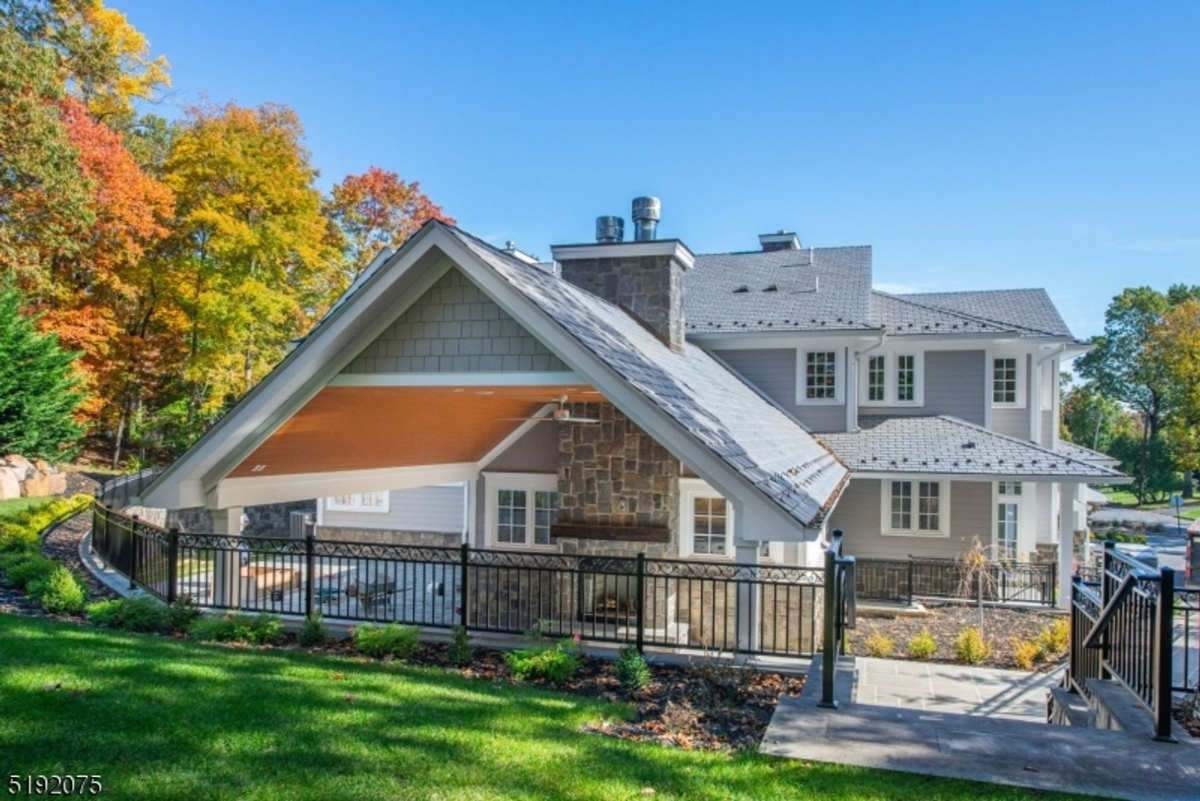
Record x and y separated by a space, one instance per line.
998 748
956 689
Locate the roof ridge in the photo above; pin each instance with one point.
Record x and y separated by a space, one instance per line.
1002 325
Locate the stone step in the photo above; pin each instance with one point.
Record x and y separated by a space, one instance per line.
1069 709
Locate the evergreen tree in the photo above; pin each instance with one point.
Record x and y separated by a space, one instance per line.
38 388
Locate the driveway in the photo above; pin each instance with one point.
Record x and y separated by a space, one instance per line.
1167 546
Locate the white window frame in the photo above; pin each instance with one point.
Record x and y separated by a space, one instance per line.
363 502
1021 362
689 490
529 483
885 508
891 378
1024 502
839 376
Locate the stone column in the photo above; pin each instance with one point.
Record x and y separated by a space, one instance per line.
227 563
1071 494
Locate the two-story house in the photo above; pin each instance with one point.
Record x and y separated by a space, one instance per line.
631 396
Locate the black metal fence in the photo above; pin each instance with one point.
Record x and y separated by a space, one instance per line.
720 606
1187 640
118 492
902 580
1123 629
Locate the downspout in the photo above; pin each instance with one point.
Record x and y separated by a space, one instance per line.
852 424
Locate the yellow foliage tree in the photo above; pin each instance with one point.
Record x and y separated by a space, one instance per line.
1176 340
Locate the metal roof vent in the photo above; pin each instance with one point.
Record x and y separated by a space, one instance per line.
610 230
646 213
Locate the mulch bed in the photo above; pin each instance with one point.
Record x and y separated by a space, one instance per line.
1000 626
1187 715
699 706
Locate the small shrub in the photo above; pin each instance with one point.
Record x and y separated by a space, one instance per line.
722 683
312 632
554 664
262 629
390 640
60 592
879 645
1025 653
970 646
105 613
460 652
631 669
1053 640
146 615
21 570
183 614
19 532
922 645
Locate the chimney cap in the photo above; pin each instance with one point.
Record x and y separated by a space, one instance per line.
610 229
782 240
647 211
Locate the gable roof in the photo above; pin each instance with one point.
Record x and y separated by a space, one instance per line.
941 444
686 400
829 289
766 447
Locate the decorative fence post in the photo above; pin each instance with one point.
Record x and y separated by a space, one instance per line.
829 648
464 562
641 602
133 551
1164 651
310 584
172 564
912 563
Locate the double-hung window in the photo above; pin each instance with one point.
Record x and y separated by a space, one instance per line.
877 379
919 508
820 375
1008 512
1005 384
710 526
891 379
376 502
520 510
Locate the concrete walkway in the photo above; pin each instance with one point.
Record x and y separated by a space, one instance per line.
956 689
998 748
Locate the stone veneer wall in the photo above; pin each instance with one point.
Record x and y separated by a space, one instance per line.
384 537
650 287
267 520
615 474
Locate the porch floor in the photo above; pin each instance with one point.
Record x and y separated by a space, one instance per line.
957 689
981 745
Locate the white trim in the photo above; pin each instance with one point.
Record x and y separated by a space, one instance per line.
891 383
252 491
884 474
689 490
839 376
569 380
357 502
987 388
885 508
1022 368
516 434
526 482
654 247
1026 525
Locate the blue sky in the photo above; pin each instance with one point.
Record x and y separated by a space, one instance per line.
975 145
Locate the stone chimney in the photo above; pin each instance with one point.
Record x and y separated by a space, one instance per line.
644 277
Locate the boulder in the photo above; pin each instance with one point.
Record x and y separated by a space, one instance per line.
41 485
42 466
20 464
58 482
10 485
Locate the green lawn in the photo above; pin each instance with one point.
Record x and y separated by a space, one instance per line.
1123 497
163 719
14 505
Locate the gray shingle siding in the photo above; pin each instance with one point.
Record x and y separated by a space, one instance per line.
859 516
455 328
773 372
1014 422
953 386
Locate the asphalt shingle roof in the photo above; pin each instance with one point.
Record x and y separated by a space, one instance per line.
768 448
944 444
1083 454
829 289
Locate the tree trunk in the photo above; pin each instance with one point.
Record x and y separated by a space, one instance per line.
119 439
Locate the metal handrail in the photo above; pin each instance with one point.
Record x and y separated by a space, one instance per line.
1109 612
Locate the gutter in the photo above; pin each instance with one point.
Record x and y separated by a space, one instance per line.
852 425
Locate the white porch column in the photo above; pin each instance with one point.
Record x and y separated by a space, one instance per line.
749 597
227 563
1071 495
